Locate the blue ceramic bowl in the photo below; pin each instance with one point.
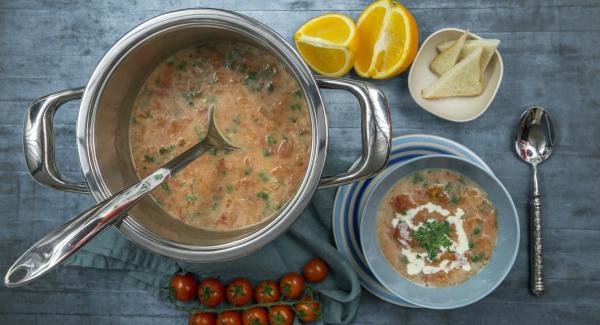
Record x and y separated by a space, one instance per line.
474 288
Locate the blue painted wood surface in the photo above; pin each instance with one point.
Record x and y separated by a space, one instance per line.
552 58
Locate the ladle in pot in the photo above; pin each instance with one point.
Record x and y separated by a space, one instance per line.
57 246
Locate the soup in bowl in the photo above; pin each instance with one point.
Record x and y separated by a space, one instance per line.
436 227
439 231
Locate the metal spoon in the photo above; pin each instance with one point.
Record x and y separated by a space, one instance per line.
58 245
534 139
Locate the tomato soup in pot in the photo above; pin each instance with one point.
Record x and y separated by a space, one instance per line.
259 106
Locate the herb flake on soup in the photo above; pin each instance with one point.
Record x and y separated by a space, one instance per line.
436 227
259 106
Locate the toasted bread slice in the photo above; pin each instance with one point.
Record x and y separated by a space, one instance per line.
464 79
444 61
489 47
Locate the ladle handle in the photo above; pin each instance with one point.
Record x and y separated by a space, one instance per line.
537 281
57 246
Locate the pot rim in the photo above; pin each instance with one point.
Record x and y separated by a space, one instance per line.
223 18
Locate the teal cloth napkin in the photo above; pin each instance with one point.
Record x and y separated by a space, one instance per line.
309 237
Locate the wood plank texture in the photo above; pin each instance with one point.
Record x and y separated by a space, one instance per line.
551 57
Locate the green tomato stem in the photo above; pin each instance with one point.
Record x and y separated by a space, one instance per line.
201 308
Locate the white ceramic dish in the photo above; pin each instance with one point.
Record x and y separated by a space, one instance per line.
456 109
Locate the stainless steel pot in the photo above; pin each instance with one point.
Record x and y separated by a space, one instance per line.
102 132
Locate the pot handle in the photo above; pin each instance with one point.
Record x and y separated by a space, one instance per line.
38 141
375 126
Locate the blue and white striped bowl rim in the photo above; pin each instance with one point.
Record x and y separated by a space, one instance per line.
350 199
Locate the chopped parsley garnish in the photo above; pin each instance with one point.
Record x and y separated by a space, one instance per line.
230 188
242 68
476 231
266 152
216 201
270 87
268 71
232 59
417 178
298 93
448 187
166 150
149 158
260 80
190 96
455 199
191 198
247 172
271 140
263 195
251 77
432 236
212 151
263 176
477 258
165 186
295 107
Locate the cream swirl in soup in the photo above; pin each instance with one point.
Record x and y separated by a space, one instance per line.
259 106
436 227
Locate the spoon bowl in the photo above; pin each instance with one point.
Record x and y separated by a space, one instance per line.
534 140
534 137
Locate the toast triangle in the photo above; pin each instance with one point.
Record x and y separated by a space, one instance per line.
444 61
464 79
489 49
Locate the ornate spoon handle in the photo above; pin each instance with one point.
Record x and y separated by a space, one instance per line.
537 281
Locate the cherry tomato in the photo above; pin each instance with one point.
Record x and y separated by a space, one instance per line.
239 292
202 319
184 286
315 270
291 285
230 317
281 315
255 316
211 292
266 291
309 310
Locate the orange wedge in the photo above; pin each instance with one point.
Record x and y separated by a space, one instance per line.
389 39
327 43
